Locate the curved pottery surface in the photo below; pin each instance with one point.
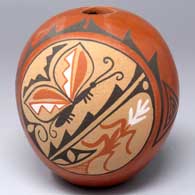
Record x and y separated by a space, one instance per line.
97 93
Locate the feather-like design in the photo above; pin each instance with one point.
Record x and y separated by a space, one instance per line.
140 114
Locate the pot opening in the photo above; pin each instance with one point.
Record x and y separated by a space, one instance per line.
98 10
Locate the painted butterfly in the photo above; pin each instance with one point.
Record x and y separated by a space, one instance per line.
71 73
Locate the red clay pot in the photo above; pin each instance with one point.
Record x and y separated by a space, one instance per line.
97 94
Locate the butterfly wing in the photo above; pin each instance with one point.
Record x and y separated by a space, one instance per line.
45 102
73 69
